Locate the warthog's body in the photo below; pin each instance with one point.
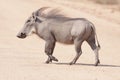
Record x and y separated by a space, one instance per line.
58 28
65 31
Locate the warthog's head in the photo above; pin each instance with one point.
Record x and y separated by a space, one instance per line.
30 23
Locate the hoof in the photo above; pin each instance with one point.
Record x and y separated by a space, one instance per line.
71 63
98 62
54 59
48 61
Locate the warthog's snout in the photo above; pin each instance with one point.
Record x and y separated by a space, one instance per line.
21 35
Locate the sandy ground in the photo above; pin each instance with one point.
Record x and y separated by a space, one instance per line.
24 59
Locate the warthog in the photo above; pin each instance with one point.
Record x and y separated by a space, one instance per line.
54 27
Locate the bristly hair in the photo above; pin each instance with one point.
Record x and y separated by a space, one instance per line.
55 14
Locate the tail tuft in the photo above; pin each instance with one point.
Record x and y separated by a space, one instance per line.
99 47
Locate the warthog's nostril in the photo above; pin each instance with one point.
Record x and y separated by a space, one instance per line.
22 35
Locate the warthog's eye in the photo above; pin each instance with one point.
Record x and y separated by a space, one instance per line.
28 21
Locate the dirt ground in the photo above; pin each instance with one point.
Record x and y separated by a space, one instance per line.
24 59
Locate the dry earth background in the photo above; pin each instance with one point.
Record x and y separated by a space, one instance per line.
24 59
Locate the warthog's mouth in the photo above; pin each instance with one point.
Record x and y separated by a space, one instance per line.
22 36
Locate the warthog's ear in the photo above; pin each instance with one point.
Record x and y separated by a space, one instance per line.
37 18
34 16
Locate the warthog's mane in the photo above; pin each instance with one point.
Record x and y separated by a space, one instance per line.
55 14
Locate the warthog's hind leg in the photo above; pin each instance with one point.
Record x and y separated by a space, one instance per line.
95 48
97 61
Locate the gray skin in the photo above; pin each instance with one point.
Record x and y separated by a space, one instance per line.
64 30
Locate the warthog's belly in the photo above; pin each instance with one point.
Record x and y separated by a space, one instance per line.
65 40
63 36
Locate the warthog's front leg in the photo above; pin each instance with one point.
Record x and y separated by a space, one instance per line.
49 48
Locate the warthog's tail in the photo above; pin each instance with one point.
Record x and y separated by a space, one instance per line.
97 41
96 38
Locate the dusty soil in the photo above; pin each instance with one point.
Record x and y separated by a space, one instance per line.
24 59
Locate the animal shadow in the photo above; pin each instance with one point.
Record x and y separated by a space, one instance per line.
85 64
